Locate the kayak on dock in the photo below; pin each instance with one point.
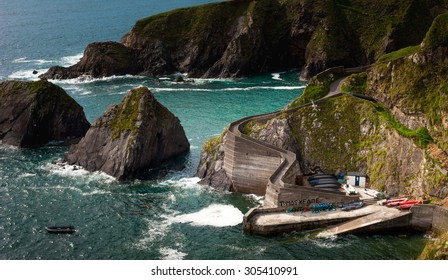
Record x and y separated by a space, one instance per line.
349 189
371 192
352 206
395 202
408 204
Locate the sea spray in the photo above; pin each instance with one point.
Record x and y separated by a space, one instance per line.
215 215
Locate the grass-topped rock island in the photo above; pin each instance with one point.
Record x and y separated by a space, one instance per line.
129 138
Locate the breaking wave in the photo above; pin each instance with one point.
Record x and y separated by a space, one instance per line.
215 215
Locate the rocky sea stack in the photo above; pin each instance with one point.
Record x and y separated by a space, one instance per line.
35 113
138 134
241 38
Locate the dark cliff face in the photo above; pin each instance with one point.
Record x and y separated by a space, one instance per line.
35 113
240 38
138 134
400 141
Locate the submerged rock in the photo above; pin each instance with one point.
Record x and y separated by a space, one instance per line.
129 138
35 113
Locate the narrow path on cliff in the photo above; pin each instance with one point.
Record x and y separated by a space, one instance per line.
237 140
335 87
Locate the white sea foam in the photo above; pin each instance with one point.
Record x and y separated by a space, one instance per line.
327 241
25 175
34 61
188 183
230 89
70 60
58 188
27 74
216 215
74 171
86 79
259 199
156 231
276 76
171 254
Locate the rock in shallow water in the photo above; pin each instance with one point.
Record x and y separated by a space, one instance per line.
138 134
35 113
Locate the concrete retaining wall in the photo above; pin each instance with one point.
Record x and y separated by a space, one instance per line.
302 196
440 219
422 217
249 165
284 228
398 223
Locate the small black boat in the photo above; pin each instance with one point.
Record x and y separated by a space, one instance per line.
60 229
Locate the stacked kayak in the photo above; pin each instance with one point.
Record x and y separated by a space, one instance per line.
401 203
408 204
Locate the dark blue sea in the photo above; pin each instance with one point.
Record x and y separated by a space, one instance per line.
168 216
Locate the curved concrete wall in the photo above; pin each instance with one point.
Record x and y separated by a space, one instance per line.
260 168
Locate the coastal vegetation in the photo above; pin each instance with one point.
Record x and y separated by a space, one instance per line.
240 38
355 83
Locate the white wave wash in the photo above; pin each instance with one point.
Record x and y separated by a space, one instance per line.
34 61
87 79
27 74
231 89
187 183
259 199
31 75
74 171
70 60
171 254
276 76
216 215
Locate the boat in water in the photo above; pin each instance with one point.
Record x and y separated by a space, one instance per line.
60 229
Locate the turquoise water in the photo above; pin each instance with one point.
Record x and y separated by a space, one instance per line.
168 216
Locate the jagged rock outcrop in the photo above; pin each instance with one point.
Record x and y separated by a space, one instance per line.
412 87
35 113
240 38
211 166
99 60
129 138
400 142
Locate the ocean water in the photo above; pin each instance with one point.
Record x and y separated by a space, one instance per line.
167 216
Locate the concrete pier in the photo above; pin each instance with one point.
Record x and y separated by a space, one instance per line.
265 221
259 168
381 220
368 219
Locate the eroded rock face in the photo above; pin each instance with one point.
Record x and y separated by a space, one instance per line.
129 138
99 60
241 38
211 167
35 113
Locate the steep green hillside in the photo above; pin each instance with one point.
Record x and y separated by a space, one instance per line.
241 38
